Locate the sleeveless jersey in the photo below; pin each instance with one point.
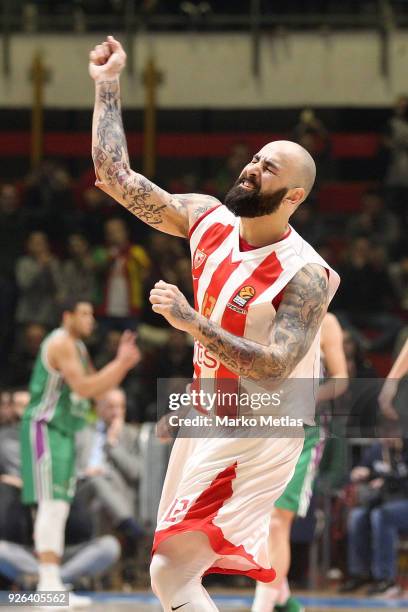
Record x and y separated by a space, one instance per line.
51 400
241 291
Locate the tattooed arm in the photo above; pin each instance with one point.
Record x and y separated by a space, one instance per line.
296 324
173 214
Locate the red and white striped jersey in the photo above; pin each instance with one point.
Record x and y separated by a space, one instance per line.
241 290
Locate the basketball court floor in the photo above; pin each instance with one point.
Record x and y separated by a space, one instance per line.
145 602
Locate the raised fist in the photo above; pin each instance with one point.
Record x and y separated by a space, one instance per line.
107 60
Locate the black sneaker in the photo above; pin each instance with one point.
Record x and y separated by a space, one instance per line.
384 588
354 583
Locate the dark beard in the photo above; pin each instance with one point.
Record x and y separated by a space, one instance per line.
251 204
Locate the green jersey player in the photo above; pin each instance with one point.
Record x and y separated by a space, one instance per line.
62 385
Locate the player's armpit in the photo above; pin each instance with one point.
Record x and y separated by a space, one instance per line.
296 324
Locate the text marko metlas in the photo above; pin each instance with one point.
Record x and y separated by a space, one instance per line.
209 409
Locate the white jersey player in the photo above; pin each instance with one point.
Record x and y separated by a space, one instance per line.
261 293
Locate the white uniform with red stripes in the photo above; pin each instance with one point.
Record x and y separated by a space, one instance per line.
226 487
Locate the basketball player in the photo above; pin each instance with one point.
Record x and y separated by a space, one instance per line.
390 387
62 383
296 498
261 293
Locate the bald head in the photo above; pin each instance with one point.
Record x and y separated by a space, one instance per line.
277 179
112 405
294 162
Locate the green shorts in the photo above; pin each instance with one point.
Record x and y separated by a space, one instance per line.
298 493
47 463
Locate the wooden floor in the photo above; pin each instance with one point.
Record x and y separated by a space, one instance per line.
233 602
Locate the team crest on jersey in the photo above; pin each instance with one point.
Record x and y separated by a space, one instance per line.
243 296
199 258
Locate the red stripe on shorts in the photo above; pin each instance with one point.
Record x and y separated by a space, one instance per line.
200 518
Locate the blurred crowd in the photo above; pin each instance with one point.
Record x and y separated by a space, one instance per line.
62 237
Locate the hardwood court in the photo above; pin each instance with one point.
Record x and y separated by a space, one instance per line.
145 602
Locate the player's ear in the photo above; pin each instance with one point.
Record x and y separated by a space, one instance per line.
295 197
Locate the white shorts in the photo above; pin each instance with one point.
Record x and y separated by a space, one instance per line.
227 488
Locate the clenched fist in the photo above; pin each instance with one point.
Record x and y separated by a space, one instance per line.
168 301
107 60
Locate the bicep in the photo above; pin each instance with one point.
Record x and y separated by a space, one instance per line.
170 213
301 312
145 200
64 357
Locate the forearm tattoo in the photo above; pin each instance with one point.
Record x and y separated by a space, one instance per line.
182 311
297 321
140 196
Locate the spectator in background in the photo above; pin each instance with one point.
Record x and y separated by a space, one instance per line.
79 271
83 555
108 348
375 222
186 183
22 358
12 228
134 383
38 277
109 464
396 142
95 205
382 491
164 251
309 225
13 517
183 273
238 157
122 267
175 358
367 295
360 401
49 200
311 134
399 278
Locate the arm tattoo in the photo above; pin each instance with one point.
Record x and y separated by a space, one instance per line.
295 326
198 204
140 196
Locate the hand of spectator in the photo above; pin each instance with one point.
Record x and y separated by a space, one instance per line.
359 473
114 431
94 471
377 483
14 481
163 430
168 301
107 60
128 351
386 397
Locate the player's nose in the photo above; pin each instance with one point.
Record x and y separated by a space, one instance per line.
253 173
